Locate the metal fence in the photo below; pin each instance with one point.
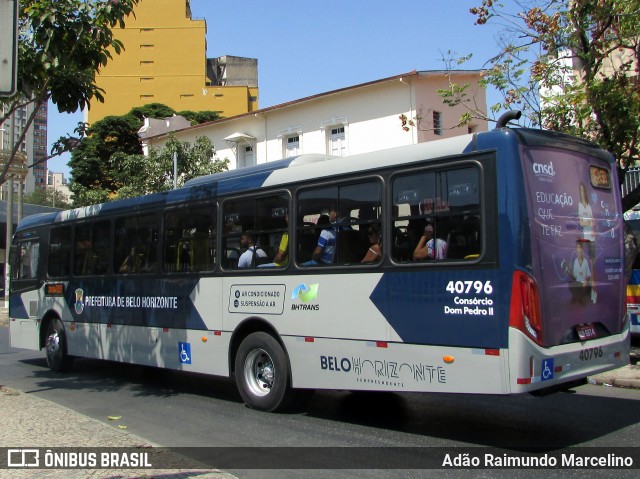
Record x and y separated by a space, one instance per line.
631 180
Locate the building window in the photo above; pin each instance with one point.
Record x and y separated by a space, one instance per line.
337 141
292 146
246 156
437 123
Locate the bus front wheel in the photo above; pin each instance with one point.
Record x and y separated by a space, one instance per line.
262 373
56 346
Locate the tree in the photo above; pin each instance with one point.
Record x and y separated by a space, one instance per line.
197 117
193 160
570 66
47 197
98 159
90 162
136 175
61 45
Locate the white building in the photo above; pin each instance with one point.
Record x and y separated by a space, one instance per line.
390 112
58 183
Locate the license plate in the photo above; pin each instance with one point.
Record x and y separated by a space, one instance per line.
586 331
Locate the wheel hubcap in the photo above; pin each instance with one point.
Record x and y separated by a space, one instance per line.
259 372
53 344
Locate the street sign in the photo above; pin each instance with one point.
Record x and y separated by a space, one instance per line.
8 47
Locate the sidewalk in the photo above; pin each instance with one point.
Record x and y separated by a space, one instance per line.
27 421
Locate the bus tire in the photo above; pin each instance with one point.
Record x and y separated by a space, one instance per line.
263 373
56 346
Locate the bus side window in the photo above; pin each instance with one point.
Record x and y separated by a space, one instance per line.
25 259
189 240
436 215
59 252
136 245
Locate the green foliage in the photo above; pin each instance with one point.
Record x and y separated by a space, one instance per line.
90 160
88 196
193 160
570 66
197 117
109 158
47 197
136 175
61 45
152 110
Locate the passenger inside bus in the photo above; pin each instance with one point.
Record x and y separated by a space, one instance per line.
325 249
281 258
254 255
131 263
374 253
430 247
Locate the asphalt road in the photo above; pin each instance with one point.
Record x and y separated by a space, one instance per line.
178 409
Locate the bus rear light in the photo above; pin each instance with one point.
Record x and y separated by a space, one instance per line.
309 340
525 306
217 333
492 352
381 344
617 354
524 381
165 330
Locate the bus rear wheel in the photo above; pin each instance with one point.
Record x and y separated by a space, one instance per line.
56 346
262 373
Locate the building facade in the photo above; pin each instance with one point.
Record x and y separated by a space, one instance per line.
164 61
34 144
400 110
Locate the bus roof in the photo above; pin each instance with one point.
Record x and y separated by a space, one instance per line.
312 166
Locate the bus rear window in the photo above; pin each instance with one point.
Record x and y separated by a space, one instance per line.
599 177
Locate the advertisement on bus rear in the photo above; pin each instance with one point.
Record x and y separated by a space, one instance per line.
576 243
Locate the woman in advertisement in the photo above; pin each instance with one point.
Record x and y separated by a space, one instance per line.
585 217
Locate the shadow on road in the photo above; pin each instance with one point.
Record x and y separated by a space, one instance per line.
510 422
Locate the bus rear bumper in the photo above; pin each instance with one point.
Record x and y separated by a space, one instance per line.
534 368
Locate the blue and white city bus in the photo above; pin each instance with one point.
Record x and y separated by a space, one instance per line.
499 271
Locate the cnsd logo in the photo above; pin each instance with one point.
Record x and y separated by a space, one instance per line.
544 171
305 294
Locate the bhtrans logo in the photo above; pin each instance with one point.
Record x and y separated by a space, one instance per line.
543 171
305 294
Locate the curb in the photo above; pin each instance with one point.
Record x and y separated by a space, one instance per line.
616 382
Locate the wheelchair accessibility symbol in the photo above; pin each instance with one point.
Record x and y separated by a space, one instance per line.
185 353
547 369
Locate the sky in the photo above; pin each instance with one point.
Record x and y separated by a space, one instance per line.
309 47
